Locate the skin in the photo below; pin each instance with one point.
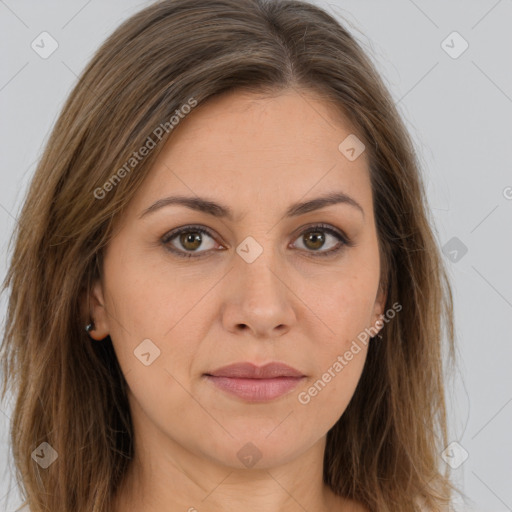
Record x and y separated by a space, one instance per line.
257 155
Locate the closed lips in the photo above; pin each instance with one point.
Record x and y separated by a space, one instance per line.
251 371
252 383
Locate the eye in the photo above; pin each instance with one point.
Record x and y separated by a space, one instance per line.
187 240
315 238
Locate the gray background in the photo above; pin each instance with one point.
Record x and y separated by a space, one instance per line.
458 111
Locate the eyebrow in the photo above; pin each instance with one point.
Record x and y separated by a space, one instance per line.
222 211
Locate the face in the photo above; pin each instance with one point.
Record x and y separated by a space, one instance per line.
263 284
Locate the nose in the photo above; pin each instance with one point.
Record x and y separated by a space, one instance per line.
258 299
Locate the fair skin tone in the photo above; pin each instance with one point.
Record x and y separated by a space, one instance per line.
256 155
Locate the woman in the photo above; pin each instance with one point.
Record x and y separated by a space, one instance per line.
225 292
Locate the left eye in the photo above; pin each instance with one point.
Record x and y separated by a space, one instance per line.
315 238
191 238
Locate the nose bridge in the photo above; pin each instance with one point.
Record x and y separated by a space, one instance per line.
257 267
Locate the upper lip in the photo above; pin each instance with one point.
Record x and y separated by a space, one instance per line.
252 371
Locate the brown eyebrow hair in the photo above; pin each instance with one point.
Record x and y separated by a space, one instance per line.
222 211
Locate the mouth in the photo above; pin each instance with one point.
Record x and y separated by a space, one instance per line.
255 390
256 384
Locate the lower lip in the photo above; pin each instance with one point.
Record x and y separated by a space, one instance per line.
256 390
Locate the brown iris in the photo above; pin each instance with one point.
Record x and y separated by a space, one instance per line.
317 238
191 237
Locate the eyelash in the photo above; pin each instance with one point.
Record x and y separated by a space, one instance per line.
344 240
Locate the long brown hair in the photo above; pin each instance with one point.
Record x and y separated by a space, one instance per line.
385 449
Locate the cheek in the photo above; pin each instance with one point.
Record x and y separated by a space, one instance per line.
135 304
345 307
141 299
347 304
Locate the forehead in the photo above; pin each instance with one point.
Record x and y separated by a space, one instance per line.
257 148
264 122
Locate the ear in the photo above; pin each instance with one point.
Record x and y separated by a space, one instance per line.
97 312
378 309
